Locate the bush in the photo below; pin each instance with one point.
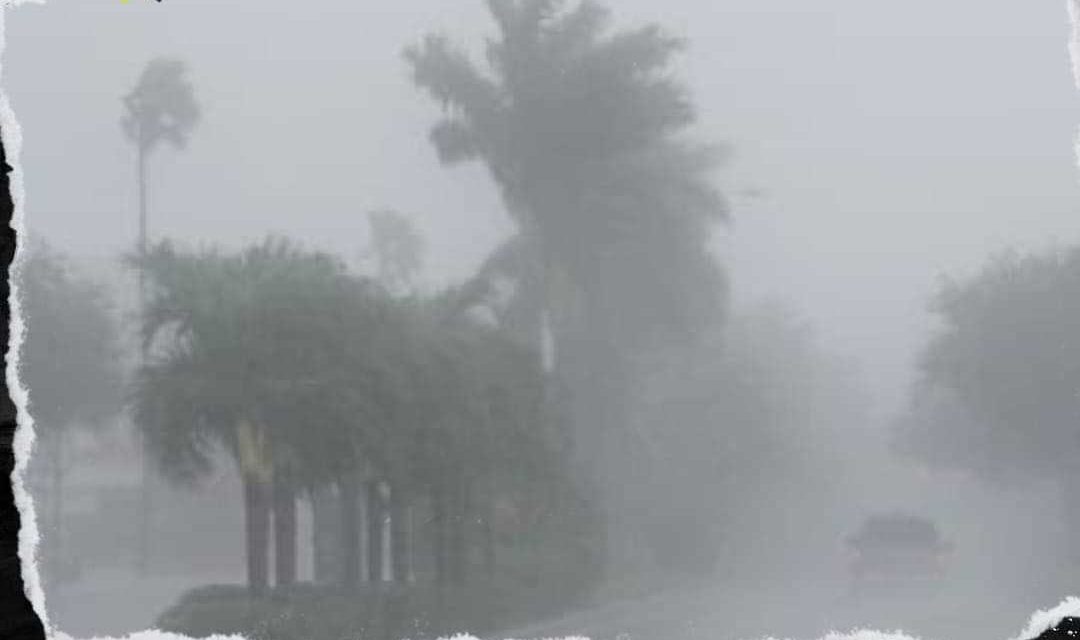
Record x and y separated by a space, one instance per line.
385 612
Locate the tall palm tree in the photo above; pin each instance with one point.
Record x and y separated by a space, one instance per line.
583 131
160 109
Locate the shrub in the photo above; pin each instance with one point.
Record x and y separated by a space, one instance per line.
383 612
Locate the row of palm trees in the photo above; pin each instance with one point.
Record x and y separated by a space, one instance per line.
309 376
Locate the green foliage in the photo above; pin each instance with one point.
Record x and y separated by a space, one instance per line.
477 405
70 358
340 372
337 374
518 312
387 613
279 336
581 130
999 392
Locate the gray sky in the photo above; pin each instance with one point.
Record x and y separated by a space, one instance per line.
895 140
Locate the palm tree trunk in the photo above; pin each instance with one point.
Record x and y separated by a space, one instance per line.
326 536
401 550
284 529
459 539
410 515
350 531
439 537
257 524
319 540
489 535
375 517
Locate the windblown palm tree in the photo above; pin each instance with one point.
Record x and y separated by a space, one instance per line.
160 109
583 130
481 430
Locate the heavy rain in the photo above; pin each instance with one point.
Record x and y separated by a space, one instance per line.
531 318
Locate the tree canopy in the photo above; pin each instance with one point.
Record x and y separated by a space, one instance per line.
582 129
161 107
337 370
999 387
70 358
274 335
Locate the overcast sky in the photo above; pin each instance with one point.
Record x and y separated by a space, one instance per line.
894 140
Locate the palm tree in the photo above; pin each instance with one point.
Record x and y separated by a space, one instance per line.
583 131
274 355
161 108
481 431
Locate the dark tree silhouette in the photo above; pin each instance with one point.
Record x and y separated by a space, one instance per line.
999 390
583 131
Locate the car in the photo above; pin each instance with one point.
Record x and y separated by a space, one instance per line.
897 555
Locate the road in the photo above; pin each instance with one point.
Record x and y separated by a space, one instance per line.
803 611
120 603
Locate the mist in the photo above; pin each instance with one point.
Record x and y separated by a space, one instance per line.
628 342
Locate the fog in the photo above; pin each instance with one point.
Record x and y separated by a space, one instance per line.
870 150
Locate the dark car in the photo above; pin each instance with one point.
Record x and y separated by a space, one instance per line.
897 554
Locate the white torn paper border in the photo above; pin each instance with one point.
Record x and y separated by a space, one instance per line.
1039 622
24 433
861 634
1047 619
145 635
